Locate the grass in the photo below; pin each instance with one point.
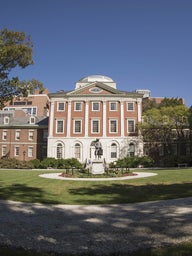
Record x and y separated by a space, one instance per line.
27 186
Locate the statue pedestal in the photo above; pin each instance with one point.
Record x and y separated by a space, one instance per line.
97 167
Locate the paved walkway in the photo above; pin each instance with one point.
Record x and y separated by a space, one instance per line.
136 176
97 230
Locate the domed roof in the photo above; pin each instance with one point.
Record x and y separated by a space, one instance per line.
96 78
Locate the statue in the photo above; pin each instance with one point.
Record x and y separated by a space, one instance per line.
98 149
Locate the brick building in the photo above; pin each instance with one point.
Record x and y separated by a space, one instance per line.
24 127
94 109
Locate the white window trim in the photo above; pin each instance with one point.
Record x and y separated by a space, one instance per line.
15 151
114 102
98 106
17 131
130 110
4 134
3 148
57 126
130 119
116 125
32 119
30 148
92 126
75 109
60 110
74 126
6 120
30 131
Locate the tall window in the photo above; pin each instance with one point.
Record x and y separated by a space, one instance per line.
78 106
30 151
59 150
131 125
131 149
113 106
113 150
60 106
17 135
95 106
60 126
77 126
31 135
16 151
77 151
4 135
130 106
4 149
113 126
95 126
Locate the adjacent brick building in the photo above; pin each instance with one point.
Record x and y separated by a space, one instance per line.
24 127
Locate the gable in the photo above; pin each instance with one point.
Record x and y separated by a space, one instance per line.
95 89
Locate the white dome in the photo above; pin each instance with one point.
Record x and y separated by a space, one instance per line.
96 78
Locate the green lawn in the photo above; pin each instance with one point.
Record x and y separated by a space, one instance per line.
27 186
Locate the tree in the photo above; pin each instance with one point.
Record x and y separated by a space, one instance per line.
162 127
15 51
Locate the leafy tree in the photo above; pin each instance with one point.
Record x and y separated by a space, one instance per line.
164 126
15 51
171 102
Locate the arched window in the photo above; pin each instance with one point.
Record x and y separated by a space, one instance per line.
113 150
77 151
59 150
131 149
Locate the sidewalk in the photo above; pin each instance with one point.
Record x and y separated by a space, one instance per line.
95 229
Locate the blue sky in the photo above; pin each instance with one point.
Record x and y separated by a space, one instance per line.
141 44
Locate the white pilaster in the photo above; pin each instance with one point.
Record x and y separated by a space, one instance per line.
139 109
69 119
51 121
122 118
86 118
104 118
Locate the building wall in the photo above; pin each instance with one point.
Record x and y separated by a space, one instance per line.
68 139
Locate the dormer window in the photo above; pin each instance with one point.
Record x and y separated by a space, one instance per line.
32 120
6 120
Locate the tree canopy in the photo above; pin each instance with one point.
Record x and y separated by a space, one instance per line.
16 50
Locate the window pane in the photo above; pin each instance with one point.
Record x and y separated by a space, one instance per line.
77 126
59 150
95 126
30 151
130 106
77 151
3 151
60 106
113 150
16 151
131 126
95 106
113 106
77 106
113 126
60 128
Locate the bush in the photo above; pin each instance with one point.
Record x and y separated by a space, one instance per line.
12 163
133 162
35 163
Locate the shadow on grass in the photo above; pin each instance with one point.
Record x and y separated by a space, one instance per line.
124 193
107 230
21 192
